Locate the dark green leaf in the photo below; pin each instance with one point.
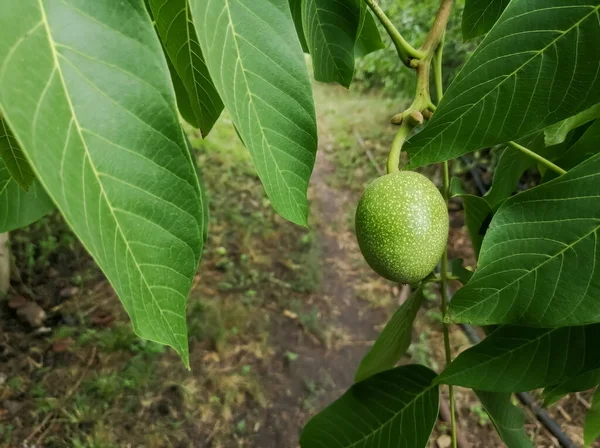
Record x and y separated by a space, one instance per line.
508 419
584 381
173 21
19 208
394 408
538 65
540 257
296 9
393 340
13 158
369 39
557 133
332 29
478 214
100 127
516 359
458 270
479 16
591 429
258 67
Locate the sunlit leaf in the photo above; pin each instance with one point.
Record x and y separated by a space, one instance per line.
13 158
173 21
393 341
18 207
540 257
508 419
557 133
257 64
516 359
479 16
538 65
393 408
100 127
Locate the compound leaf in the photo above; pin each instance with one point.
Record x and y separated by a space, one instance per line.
173 21
100 127
557 133
18 207
13 158
508 419
393 341
540 257
479 16
398 407
538 65
257 64
516 359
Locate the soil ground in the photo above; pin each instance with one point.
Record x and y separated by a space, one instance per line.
279 316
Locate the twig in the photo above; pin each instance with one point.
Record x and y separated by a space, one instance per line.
446 416
370 155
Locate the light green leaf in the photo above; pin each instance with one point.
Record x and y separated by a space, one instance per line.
393 341
19 208
540 257
13 158
584 381
256 62
557 133
332 28
478 214
508 419
591 429
538 65
516 359
173 21
100 127
379 411
479 16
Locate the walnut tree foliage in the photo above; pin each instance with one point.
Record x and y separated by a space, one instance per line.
91 98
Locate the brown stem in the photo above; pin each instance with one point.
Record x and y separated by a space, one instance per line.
438 28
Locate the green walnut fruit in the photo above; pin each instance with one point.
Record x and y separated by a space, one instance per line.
402 226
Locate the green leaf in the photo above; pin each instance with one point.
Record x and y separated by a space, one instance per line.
538 65
13 158
100 127
540 257
479 16
584 381
19 208
508 419
458 270
478 214
591 429
296 10
173 21
557 133
516 359
397 408
332 28
369 39
393 341
258 67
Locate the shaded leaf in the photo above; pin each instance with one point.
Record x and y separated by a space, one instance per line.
508 419
369 39
537 66
479 16
581 382
256 62
557 133
591 429
393 341
296 10
100 127
516 359
540 256
478 214
458 270
379 411
13 158
173 21
19 208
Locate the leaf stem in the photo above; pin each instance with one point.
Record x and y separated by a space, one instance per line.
393 162
404 49
537 157
439 90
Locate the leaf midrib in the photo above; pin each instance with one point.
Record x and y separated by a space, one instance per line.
57 66
506 77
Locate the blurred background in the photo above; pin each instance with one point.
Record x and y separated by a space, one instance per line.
279 316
